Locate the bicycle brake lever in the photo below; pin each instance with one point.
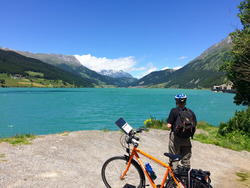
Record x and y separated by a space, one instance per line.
140 130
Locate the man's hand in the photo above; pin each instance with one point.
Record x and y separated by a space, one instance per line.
169 125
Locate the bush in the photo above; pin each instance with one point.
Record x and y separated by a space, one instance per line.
156 124
237 125
234 140
2 81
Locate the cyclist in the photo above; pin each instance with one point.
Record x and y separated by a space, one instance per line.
177 145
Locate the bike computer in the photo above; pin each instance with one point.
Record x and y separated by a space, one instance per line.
123 125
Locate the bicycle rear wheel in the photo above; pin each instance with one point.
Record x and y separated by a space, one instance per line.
183 182
113 169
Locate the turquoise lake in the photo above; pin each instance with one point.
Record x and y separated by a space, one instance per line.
53 110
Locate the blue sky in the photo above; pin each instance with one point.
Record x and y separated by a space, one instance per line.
137 36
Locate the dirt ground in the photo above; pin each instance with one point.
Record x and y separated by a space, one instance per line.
76 159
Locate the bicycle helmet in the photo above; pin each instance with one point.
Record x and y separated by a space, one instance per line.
180 98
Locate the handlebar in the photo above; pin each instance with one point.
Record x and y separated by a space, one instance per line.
132 139
140 130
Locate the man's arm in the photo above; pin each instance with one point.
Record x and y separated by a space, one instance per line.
170 119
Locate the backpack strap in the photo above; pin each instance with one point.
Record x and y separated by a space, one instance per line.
179 108
183 109
172 128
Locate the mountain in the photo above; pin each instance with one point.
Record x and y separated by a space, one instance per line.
72 65
227 42
67 63
115 74
14 63
202 72
154 78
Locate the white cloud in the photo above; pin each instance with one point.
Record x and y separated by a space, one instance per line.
176 68
127 64
165 68
102 63
149 68
183 57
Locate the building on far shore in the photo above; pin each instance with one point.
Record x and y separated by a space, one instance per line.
224 88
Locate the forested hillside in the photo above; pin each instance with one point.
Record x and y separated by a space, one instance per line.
14 63
202 72
155 78
71 64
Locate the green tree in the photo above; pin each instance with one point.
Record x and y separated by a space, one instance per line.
237 66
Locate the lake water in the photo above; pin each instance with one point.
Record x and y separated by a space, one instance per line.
50 111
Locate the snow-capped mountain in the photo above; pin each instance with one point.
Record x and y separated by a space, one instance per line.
115 74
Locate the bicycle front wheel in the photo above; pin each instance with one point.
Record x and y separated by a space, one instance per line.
183 183
113 169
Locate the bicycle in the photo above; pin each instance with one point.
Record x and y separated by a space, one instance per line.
126 172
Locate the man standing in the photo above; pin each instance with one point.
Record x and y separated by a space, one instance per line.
179 145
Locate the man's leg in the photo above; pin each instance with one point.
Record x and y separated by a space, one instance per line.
174 148
187 153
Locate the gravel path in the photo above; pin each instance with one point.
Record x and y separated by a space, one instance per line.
75 160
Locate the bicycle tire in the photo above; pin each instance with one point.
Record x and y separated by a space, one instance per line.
114 167
194 183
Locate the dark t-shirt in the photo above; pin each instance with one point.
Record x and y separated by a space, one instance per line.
174 114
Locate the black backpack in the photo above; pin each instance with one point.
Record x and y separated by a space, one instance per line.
184 126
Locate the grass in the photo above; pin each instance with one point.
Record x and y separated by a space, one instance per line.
34 82
19 139
32 73
235 142
106 130
3 156
65 133
244 178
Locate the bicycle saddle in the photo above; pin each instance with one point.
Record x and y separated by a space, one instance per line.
173 157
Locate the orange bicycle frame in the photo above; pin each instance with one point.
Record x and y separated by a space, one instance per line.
135 152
